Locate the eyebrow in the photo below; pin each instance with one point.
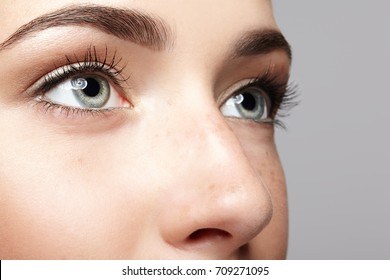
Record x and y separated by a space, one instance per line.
143 29
261 42
140 28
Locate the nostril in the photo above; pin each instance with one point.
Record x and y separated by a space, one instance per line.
208 234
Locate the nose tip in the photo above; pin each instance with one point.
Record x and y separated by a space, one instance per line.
218 221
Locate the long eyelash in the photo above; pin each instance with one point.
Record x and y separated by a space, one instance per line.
89 64
283 96
288 102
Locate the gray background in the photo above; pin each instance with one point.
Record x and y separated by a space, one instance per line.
336 148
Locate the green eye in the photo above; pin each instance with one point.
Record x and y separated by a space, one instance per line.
85 91
249 103
91 91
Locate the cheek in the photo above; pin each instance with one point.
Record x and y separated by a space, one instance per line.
52 189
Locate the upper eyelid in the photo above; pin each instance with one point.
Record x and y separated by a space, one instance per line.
258 81
255 82
232 89
65 72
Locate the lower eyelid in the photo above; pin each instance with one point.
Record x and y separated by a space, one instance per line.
59 111
253 124
76 121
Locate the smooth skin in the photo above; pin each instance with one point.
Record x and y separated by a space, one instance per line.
169 177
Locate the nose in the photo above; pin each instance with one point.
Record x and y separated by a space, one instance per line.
219 201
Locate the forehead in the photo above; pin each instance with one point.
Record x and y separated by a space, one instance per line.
192 20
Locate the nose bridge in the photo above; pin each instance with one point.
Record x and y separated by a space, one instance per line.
206 130
210 141
219 195
224 162
211 137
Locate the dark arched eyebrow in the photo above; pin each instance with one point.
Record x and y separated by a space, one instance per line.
261 42
143 29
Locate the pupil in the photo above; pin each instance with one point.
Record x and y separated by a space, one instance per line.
249 102
93 87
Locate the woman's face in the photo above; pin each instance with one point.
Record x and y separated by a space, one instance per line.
141 129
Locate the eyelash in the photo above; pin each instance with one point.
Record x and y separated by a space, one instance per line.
91 63
282 96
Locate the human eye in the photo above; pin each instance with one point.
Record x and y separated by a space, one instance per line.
85 91
247 103
264 99
88 86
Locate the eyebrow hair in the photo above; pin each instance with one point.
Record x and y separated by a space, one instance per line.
143 29
261 42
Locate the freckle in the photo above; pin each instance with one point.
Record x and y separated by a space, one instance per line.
234 189
80 161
